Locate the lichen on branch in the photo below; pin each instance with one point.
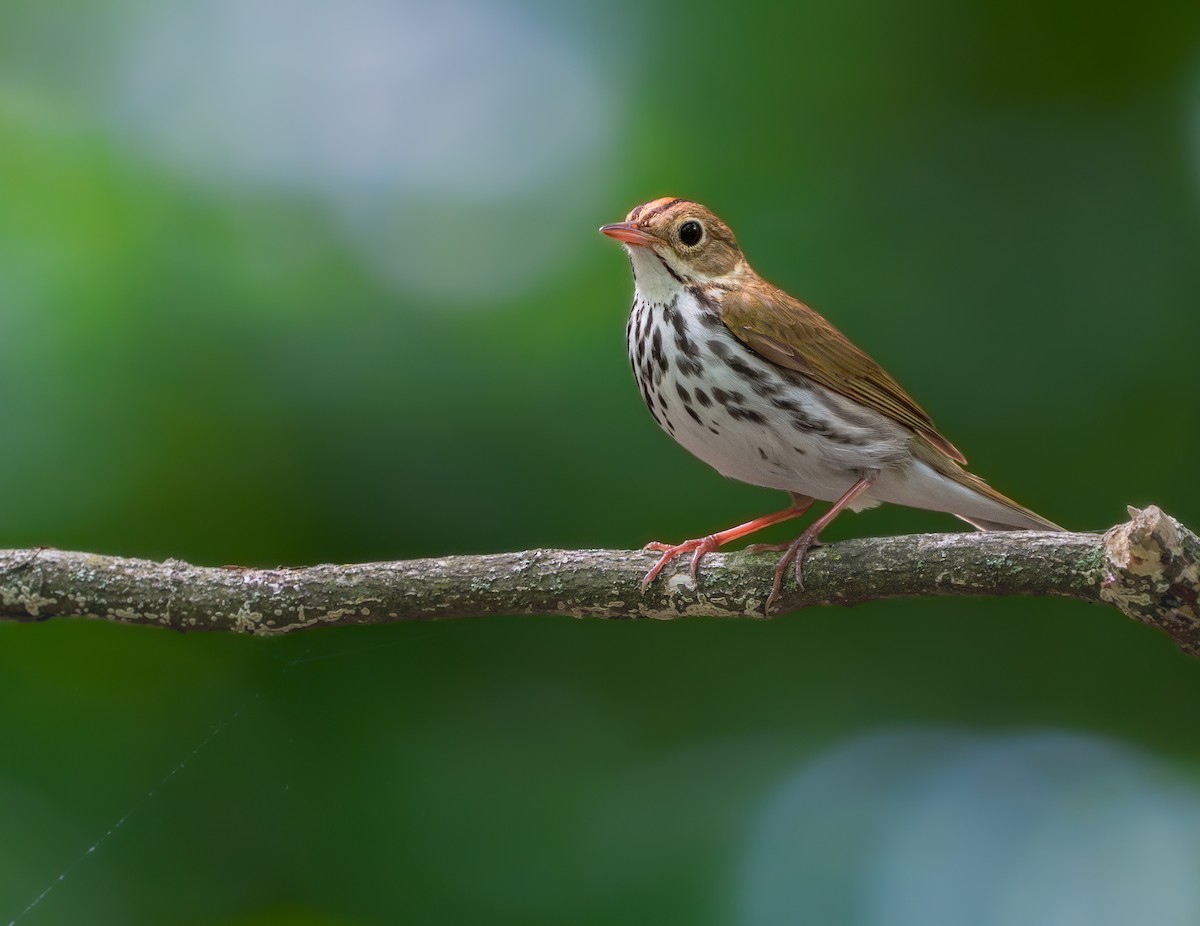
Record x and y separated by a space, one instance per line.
1147 567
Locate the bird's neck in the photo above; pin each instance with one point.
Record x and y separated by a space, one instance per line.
658 283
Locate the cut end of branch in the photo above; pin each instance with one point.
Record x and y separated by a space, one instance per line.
1153 575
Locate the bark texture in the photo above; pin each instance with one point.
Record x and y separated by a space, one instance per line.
1148 567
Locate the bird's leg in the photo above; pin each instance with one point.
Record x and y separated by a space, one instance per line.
698 548
806 541
803 502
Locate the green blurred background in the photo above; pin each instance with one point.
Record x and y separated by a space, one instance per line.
297 283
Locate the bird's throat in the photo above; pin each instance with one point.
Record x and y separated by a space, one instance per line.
656 281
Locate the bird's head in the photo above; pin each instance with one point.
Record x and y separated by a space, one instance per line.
680 239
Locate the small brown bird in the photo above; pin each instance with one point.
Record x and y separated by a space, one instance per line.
763 389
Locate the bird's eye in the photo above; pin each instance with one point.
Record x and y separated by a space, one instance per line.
690 232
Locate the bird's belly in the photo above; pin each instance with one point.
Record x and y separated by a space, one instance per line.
760 460
753 443
751 420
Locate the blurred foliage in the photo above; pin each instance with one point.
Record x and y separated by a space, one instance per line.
1001 202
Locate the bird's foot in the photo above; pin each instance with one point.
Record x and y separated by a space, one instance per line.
795 551
698 549
767 547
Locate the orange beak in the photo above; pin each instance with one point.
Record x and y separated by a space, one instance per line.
628 233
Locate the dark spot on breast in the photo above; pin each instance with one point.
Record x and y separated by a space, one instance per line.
683 393
706 298
692 412
738 413
743 369
720 348
728 398
637 340
673 316
847 439
813 426
702 397
656 351
643 387
690 366
762 453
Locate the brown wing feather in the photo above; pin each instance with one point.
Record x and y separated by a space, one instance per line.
789 333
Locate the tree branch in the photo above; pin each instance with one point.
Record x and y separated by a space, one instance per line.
1148 567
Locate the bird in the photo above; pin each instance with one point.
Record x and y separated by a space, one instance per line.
766 391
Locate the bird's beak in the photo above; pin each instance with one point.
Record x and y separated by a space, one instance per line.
628 233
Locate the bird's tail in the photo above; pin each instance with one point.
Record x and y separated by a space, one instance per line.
1023 520
940 484
1004 513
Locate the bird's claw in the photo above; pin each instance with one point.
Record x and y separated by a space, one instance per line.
766 547
796 550
698 548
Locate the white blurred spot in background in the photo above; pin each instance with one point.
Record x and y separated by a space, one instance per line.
465 148
931 828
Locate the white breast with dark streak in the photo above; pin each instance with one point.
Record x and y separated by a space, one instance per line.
746 417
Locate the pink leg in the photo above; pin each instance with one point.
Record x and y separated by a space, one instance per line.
807 540
698 548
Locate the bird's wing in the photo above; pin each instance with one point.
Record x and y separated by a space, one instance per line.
787 332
